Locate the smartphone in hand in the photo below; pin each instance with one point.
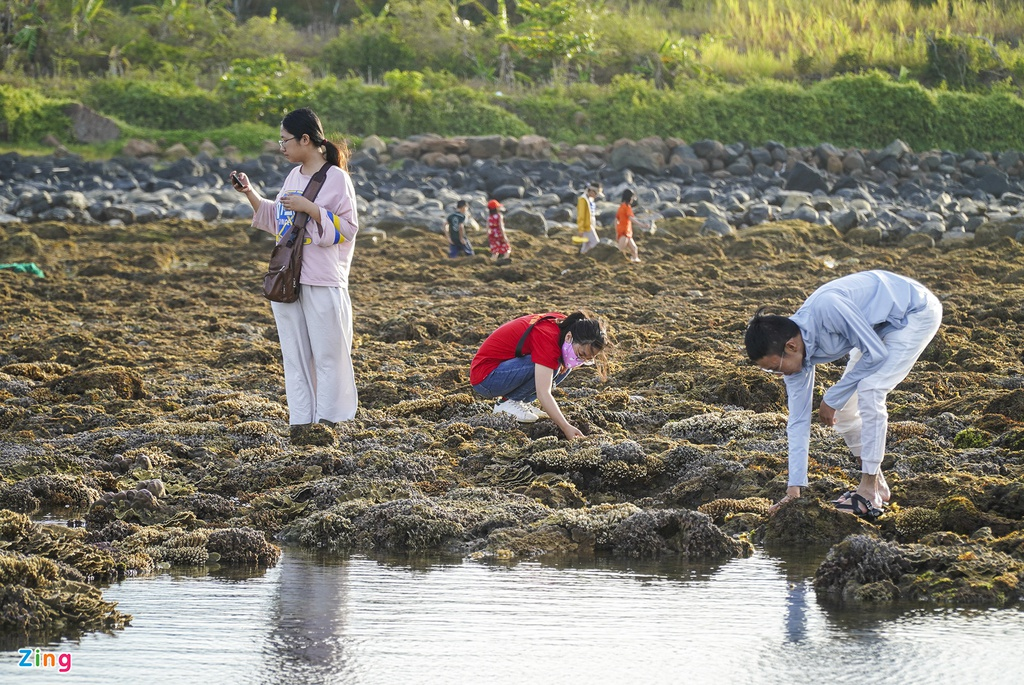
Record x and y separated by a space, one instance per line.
235 181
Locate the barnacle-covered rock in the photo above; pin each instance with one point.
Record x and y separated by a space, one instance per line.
682 532
57 543
592 528
720 428
959 515
408 525
808 521
566 459
554 491
332 529
911 524
35 599
862 567
48 492
122 382
962 572
720 509
243 546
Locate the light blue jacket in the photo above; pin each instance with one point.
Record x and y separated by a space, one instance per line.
854 311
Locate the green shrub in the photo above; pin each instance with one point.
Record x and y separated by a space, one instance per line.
264 89
369 52
157 104
871 110
26 116
963 62
405 106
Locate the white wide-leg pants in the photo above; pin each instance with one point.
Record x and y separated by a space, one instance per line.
316 343
864 419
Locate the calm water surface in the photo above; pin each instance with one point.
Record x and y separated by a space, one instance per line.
365 621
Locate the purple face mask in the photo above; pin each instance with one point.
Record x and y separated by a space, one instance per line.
569 356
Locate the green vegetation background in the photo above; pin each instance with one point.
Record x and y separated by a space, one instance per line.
935 73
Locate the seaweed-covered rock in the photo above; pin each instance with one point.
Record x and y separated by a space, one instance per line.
48 492
862 567
122 382
721 509
808 521
35 599
243 546
958 572
681 532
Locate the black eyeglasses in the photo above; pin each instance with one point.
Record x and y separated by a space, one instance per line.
281 142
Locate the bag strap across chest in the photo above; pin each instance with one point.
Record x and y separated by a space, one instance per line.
522 340
310 193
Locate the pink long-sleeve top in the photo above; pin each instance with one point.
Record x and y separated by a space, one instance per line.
330 236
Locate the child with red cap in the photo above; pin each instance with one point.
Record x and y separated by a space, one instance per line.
501 251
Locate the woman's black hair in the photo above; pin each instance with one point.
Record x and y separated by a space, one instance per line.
587 329
767 334
305 122
628 196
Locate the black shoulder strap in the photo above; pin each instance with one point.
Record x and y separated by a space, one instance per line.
522 340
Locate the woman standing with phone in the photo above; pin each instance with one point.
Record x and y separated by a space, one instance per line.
316 330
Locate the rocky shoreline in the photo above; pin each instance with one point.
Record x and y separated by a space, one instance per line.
885 196
141 396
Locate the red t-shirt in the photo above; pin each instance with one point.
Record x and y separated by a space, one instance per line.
541 344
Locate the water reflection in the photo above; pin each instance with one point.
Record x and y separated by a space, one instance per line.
308 618
433 620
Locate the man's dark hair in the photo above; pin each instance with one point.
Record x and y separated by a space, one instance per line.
767 334
460 204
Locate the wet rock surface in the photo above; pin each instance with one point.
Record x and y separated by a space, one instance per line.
141 393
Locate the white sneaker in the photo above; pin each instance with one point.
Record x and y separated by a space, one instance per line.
521 411
541 414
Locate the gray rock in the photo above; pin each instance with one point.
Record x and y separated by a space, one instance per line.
627 154
522 219
759 213
709 149
935 229
697 194
507 192
408 197
806 213
864 235
895 149
716 225
122 213
844 219
806 178
89 127
707 209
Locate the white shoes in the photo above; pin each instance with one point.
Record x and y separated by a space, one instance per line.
541 414
523 412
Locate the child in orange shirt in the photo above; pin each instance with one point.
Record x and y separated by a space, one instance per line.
624 226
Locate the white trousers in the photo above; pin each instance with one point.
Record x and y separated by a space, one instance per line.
864 419
590 241
316 343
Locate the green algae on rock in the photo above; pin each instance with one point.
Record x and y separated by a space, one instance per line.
954 572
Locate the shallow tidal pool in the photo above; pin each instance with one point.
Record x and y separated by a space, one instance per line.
368 621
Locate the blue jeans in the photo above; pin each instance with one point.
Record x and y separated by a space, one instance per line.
456 249
514 379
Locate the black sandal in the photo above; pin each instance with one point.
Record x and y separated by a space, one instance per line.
858 505
843 498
